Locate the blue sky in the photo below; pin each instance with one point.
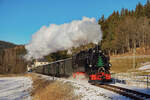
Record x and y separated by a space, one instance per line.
19 19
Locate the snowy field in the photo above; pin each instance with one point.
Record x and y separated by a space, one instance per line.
146 66
15 88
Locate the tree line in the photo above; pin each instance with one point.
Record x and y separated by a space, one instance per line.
126 30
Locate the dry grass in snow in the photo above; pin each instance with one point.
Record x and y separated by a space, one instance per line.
44 89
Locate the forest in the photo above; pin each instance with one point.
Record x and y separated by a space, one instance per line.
126 30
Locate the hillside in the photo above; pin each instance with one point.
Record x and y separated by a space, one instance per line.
126 30
5 45
11 58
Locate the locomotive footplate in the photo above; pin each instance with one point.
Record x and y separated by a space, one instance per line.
99 78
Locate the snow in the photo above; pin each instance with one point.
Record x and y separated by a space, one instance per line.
132 79
89 92
15 88
19 88
144 67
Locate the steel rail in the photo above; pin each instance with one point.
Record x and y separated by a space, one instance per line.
132 94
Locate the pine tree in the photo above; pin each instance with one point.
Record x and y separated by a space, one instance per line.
147 9
139 11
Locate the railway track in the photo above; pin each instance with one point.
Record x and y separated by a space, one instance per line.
134 95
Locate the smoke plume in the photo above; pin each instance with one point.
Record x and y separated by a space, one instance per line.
60 37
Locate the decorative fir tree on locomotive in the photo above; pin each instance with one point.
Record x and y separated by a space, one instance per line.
95 63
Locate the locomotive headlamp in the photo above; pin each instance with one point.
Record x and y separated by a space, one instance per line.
110 65
90 65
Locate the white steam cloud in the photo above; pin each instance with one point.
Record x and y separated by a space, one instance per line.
60 37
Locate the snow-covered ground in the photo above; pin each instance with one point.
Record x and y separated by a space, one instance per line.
145 67
132 79
89 92
15 88
19 88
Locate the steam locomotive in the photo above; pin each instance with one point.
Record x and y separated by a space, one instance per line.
93 62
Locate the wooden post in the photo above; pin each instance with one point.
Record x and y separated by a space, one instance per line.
134 52
147 82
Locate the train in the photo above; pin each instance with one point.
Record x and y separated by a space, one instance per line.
94 63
